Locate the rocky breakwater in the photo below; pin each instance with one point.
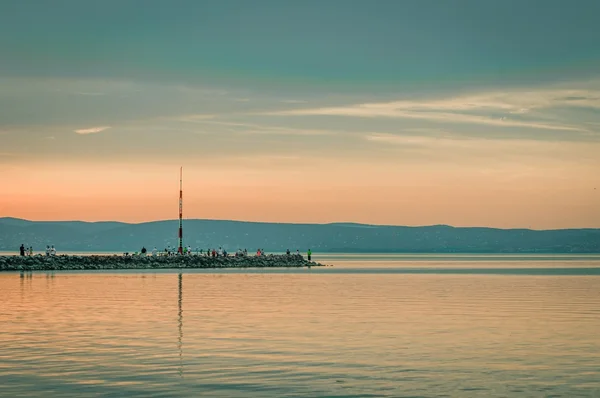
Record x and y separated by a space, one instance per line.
57 263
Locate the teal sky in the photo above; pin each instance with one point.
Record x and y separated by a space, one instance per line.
348 43
507 88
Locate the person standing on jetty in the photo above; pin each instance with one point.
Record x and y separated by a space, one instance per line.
309 254
22 249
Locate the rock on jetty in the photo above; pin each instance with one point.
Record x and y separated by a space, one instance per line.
65 262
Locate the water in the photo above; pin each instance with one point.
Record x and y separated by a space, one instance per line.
369 326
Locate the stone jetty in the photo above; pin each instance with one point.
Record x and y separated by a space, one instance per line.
104 262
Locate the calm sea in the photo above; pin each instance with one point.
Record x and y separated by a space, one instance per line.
376 325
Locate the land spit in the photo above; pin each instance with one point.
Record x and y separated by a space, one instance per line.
95 262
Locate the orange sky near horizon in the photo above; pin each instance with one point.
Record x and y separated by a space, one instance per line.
486 117
322 191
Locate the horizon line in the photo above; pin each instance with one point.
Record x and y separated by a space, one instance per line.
301 223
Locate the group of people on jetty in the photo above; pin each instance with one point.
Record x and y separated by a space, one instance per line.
187 251
220 252
28 251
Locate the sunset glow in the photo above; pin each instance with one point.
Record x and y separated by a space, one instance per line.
99 132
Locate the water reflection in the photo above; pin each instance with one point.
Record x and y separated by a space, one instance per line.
180 317
299 334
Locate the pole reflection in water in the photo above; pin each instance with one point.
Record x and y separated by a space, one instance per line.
180 314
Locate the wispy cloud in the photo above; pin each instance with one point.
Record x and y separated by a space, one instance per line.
251 128
194 118
390 111
201 90
92 130
293 101
518 108
91 94
451 144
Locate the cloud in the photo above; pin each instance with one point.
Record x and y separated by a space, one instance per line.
396 110
470 146
406 139
194 118
490 154
293 101
251 128
516 108
92 130
91 94
200 90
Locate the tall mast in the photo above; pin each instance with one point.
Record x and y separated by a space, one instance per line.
180 248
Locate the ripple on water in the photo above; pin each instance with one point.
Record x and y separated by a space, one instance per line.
299 334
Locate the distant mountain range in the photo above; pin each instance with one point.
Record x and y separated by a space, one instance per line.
337 237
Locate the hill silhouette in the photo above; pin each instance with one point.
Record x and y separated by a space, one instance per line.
335 237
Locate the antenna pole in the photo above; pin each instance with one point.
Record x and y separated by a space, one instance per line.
180 248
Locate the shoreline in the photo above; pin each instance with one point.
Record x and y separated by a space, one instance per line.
108 262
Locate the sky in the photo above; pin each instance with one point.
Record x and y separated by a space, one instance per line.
466 113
